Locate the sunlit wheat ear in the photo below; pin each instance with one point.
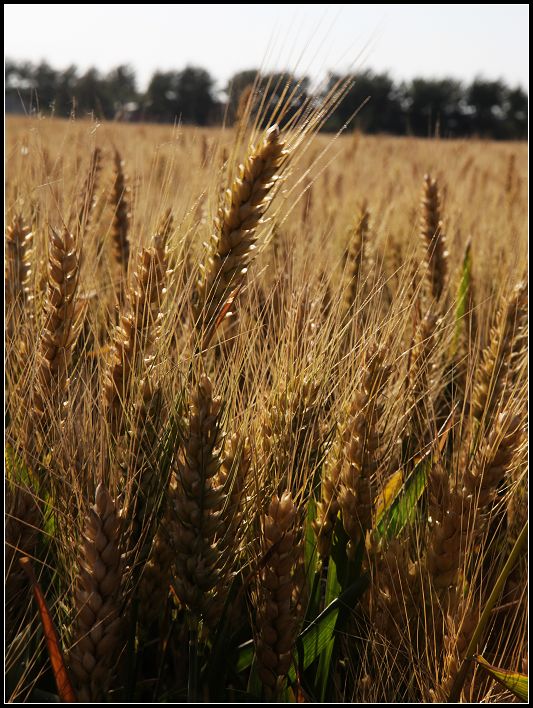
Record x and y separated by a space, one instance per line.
508 338
232 478
422 378
433 239
362 445
290 431
120 198
19 254
233 242
276 619
448 530
62 323
461 622
98 623
494 459
327 508
87 196
134 338
356 257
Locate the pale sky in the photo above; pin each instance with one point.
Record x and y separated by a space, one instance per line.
461 41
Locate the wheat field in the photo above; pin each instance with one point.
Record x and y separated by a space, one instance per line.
266 406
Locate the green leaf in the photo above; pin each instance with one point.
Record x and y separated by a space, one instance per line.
16 470
310 547
316 636
462 295
511 680
403 509
333 590
245 656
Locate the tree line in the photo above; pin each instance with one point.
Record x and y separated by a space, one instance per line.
374 102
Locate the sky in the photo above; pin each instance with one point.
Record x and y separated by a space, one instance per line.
462 41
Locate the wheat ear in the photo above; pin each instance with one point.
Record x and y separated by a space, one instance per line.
357 253
198 501
433 238
507 338
133 339
19 251
97 627
362 444
234 239
121 219
276 620
63 320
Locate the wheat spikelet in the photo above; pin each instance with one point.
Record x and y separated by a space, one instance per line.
19 251
507 339
63 320
89 188
121 218
234 240
97 627
362 443
448 531
395 598
422 377
461 622
356 256
198 501
232 478
135 337
493 459
327 507
291 431
431 231
276 621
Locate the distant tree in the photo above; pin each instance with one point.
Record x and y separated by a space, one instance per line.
67 81
194 95
516 114
435 106
267 93
374 103
160 97
486 99
19 86
45 81
93 95
234 89
121 85
374 100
